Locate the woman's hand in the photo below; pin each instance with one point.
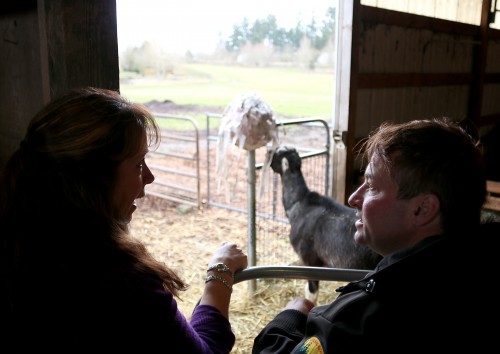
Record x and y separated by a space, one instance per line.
219 281
231 255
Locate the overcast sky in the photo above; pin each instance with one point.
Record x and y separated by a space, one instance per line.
198 25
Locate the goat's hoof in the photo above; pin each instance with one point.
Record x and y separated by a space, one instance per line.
313 297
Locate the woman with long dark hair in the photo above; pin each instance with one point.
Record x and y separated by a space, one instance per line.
72 278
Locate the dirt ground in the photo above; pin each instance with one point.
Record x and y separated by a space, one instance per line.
178 109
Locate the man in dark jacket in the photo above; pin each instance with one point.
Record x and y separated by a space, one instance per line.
419 207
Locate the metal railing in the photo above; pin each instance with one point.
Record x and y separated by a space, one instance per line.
299 272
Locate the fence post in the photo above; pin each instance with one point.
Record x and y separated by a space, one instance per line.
252 254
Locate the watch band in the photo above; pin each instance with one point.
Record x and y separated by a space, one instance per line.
220 268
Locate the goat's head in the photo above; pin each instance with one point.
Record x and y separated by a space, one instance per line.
285 158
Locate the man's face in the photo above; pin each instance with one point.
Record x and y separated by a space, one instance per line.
385 222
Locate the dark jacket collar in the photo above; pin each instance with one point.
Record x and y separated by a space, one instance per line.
399 255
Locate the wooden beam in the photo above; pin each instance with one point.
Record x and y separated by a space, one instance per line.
493 187
81 44
392 80
493 198
476 91
396 18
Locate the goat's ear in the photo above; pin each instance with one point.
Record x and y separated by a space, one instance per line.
426 209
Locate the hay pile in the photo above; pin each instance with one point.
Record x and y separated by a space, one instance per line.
185 240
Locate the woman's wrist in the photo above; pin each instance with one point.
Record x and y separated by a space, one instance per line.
220 279
221 273
220 268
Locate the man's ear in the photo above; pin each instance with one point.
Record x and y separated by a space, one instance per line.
426 208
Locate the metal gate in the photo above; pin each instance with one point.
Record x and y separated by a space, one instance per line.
176 163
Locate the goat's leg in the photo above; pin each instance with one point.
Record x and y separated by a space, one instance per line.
312 289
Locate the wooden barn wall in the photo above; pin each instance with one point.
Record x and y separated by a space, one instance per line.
20 75
412 73
392 50
491 95
48 47
407 66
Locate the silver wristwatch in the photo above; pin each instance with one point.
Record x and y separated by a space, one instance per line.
220 268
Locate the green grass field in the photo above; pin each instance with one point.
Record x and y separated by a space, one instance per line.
291 92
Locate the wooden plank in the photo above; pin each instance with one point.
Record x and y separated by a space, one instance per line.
392 80
492 203
479 66
493 198
81 44
396 18
489 119
492 78
493 187
20 77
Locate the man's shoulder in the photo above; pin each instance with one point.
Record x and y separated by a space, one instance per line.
477 254
485 238
490 229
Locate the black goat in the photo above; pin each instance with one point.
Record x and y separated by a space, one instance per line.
322 229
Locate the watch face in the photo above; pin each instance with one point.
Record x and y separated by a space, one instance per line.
221 266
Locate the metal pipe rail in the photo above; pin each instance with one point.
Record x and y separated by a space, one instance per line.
299 272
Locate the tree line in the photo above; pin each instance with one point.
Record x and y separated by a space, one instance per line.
261 43
268 32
